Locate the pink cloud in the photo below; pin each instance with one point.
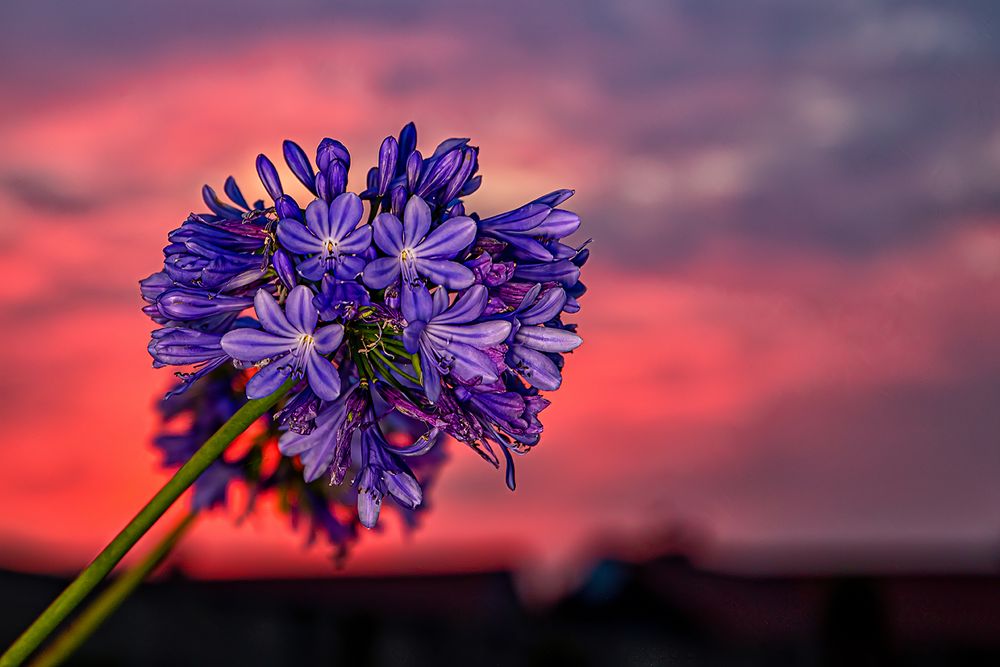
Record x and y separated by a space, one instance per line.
708 393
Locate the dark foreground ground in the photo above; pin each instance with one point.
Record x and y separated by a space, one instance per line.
663 612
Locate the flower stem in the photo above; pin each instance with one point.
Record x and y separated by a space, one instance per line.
108 601
137 527
385 361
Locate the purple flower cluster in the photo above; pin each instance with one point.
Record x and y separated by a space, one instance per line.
391 304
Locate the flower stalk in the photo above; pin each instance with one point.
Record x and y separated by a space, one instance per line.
108 601
105 561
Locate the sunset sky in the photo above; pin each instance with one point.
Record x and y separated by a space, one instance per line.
792 355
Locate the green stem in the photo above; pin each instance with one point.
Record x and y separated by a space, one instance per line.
364 369
387 362
386 374
416 367
108 601
137 527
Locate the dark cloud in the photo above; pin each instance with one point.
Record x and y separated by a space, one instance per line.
45 194
859 126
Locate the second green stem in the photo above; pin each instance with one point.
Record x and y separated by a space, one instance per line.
94 573
108 601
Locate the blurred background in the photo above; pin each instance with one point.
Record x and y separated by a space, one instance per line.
779 442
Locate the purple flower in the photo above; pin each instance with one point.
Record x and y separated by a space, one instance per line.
489 272
562 271
184 304
415 253
284 268
200 263
150 288
340 299
433 320
328 445
330 237
180 346
290 344
269 176
528 228
388 154
299 413
382 472
297 161
447 338
510 413
532 342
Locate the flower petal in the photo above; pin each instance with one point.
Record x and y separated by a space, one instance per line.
411 336
312 268
440 302
345 214
348 267
481 334
299 308
449 239
328 338
416 221
537 369
403 487
369 504
357 241
255 345
431 375
388 153
558 224
471 364
548 339
323 376
388 233
521 219
269 176
235 194
317 220
296 237
381 272
271 317
546 308
526 247
562 271
297 161
444 272
555 197
316 461
416 304
466 308
291 443
267 380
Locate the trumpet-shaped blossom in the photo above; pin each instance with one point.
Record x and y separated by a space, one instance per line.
382 472
531 229
414 251
330 237
289 344
328 445
532 341
340 299
448 339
